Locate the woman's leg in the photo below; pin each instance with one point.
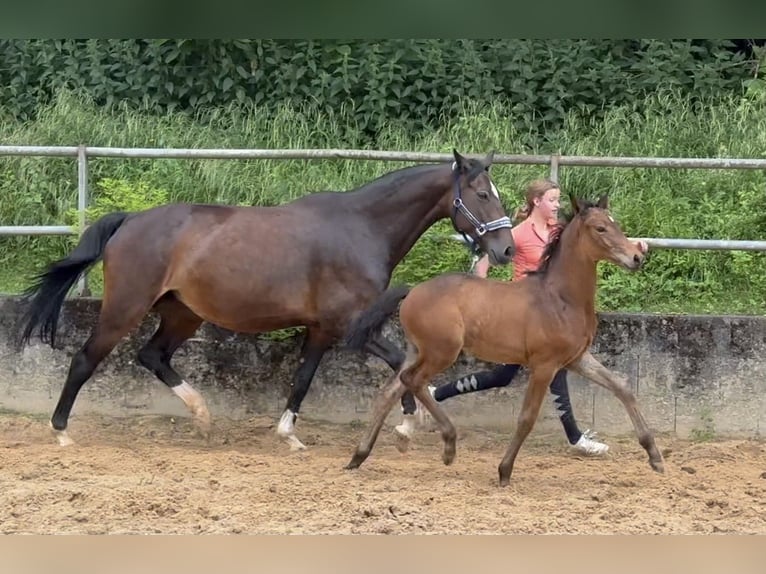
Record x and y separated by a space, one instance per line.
582 441
500 376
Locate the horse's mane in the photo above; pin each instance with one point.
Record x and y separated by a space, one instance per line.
554 239
387 184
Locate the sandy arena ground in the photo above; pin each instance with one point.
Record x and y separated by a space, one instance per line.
150 474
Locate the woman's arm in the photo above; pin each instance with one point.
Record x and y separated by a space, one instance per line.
482 266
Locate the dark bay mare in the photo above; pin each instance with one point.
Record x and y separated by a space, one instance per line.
314 262
546 321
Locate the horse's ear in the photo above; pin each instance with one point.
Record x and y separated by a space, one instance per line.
603 202
488 160
576 205
459 160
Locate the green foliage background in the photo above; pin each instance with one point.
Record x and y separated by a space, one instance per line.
618 98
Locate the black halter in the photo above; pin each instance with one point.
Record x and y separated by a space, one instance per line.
480 227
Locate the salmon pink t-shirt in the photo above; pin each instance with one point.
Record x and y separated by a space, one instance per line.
529 247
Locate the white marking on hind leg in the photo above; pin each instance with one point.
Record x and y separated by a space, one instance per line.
286 430
62 436
405 431
196 405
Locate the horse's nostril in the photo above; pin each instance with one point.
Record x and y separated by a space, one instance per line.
509 251
638 259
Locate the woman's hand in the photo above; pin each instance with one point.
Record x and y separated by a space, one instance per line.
482 267
643 246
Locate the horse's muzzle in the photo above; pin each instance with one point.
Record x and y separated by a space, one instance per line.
634 263
502 258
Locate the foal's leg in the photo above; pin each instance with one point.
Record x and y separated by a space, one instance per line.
117 318
386 350
394 357
382 406
177 324
449 434
590 368
539 379
314 347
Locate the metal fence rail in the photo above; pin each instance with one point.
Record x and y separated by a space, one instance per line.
554 162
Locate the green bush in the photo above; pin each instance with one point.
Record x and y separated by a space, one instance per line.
417 82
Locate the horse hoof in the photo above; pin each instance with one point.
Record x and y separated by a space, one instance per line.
657 466
203 433
448 456
203 428
294 443
504 482
63 438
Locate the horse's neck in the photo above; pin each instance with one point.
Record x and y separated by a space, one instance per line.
574 275
399 218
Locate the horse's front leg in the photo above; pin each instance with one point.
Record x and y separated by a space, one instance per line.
590 368
314 347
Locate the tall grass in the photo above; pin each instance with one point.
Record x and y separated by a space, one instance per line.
648 202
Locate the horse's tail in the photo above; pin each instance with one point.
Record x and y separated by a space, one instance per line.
371 320
46 295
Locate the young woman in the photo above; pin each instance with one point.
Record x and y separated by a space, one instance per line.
539 220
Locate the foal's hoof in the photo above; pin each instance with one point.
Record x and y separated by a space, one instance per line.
505 476
356 461
448 455
657 466
402 441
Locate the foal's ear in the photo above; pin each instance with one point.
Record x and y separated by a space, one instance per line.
576 203
603 202
488 160
460 161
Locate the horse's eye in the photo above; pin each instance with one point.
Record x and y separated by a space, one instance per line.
601 229
483 195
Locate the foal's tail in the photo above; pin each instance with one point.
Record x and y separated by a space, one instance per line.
46 295
372 319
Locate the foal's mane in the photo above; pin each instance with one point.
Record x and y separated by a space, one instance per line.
554 240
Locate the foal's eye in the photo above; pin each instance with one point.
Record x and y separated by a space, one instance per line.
483 195
601 229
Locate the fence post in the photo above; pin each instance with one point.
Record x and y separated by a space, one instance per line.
554 177
82 203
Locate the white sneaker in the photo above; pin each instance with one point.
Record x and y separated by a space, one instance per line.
587 444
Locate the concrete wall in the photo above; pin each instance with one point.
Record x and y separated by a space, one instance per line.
691 374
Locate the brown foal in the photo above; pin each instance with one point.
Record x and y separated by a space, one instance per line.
546 321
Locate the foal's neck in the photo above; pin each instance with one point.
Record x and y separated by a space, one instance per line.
574 276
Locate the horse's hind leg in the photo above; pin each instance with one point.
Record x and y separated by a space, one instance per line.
590 368
314 347
117 319
177 324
